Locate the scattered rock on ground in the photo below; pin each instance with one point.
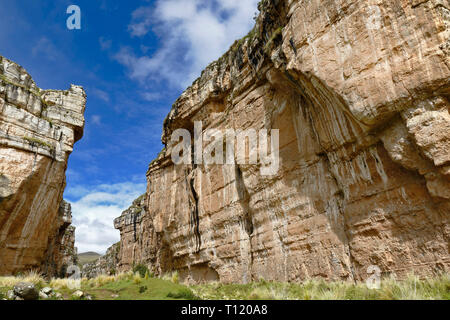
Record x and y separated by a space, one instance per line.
26 291
58 296
42 295
47 290
10 295
78 294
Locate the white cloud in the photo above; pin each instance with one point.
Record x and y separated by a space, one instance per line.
192 34
94 213
141 22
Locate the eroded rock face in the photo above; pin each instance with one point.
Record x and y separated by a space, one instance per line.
360 93
38 129
135 235
106 264
61 250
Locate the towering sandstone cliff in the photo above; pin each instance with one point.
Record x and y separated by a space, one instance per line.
38 129
360 93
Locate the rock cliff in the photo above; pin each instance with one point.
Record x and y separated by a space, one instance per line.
38 129
106 264
61 251
135 236
359 91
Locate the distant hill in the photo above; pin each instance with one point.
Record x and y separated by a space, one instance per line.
87 257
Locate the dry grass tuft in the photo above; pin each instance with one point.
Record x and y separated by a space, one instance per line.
31 276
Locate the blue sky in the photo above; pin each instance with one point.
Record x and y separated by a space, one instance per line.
134 58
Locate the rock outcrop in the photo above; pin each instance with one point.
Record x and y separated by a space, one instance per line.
106 265
38 129
61 250
135 236
359 91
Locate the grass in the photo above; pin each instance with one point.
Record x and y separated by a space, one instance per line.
132 286
35 141
30 276
412 288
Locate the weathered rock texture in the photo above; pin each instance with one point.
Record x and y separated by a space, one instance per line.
106 264
360 93
61 250
135 236
38 129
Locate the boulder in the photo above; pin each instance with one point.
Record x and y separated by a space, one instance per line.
26 291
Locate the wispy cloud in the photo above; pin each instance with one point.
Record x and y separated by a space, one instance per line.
103 95
95 211
141 22
192 34
151 96
46 48
96 119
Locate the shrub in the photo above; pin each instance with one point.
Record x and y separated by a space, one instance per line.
142 289
142 269
184 293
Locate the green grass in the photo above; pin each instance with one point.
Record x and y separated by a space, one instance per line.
129 286
35 141
146 289
410 289
3 291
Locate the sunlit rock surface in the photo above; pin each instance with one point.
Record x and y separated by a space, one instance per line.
360 93
38 129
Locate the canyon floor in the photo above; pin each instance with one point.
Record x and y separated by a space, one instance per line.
129 286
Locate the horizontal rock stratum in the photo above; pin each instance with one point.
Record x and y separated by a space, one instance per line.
38 129
359 91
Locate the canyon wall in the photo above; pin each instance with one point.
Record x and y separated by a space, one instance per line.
106 264
135 236
61 251
359 91
38 129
